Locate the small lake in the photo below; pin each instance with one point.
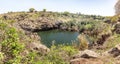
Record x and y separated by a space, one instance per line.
58 37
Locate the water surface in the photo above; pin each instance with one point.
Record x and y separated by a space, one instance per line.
58 36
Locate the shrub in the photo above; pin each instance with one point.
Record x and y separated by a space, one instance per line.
10 44
1 57
44 10
58 55
83 42
66 13
114 19
112 41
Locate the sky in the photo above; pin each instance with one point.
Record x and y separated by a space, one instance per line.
96 7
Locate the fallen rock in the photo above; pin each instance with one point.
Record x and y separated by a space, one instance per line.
89 54
86 54
39 48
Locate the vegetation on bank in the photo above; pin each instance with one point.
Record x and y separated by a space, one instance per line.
10 43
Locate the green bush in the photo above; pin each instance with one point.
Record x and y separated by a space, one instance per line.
10 43
31 10
66 13
58 55
44 10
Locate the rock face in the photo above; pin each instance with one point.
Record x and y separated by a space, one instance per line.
115 52
39 24
35 45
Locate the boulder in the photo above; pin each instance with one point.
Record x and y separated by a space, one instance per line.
86 54
37 47
86 57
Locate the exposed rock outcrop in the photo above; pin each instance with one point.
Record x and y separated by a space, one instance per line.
86 54
39 24
86 57
37 47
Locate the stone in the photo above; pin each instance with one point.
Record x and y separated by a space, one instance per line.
39 48
86 54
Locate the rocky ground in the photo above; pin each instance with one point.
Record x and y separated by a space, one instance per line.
90 57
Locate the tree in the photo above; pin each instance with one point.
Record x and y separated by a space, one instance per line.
66 13
117 7
31 10
44 10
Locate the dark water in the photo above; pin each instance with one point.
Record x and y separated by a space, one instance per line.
58 37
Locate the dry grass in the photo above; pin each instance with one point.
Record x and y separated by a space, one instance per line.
83 42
